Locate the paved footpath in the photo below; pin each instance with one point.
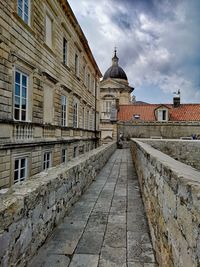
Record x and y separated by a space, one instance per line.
107 227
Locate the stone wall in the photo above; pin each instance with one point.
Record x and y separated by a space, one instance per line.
34 153
170 192
163 129
185 151
31 210
48 124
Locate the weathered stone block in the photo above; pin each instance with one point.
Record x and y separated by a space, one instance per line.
171 193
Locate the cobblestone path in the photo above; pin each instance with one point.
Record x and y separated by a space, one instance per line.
107 227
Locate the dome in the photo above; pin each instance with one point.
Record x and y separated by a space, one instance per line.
115 71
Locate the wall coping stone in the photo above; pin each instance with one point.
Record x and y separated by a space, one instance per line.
183 171
171 194
30 210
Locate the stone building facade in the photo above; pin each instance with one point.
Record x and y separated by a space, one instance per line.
114 91
49 80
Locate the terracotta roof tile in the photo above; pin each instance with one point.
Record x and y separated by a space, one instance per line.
185 112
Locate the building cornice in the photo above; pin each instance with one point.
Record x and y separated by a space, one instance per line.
69 13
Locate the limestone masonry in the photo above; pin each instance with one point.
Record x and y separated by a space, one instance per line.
186 151
30 211
49 83
170 191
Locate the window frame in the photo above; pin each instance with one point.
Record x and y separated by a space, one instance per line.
77 64
75 151
93 86
88 120
20 96
108 105
85 74
64 119
19 158
89 81
83 117
64 156
93 120
75 116
65 51
45 161
23 11
160 114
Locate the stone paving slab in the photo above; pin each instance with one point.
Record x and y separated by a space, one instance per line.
107 227
80 260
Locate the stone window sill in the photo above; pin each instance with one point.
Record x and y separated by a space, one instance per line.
25 25
66 67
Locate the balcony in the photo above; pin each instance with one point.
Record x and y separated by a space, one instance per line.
23 132
105 115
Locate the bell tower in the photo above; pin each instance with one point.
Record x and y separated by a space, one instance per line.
114 91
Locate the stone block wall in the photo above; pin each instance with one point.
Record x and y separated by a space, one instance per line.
34 154
30 211
52 75
23 46
170 191
185 151
139 129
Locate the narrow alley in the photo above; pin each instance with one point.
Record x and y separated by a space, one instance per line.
106 227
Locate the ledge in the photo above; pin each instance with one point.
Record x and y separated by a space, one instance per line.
170 191
29 211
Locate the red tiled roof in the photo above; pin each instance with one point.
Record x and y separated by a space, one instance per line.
185 112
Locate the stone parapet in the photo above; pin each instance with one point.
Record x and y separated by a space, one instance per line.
186 151
175 129
170 191
30 211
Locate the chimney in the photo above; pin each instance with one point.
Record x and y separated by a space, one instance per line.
177 99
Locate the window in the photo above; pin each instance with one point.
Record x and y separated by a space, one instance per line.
88 80
20 170
20 98
47 160
83 118
108 105
75 151
84 74
23 10
93 86
49 31
81 150
88 119
162 115
75 114
93 120
97 121
65 51
136 116
64 156
76 65
63 110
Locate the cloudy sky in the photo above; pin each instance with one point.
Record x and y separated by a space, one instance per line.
158 43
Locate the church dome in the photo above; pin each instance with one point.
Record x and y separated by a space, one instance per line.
115 71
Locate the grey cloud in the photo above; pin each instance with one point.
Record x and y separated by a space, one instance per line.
161 50
122 20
